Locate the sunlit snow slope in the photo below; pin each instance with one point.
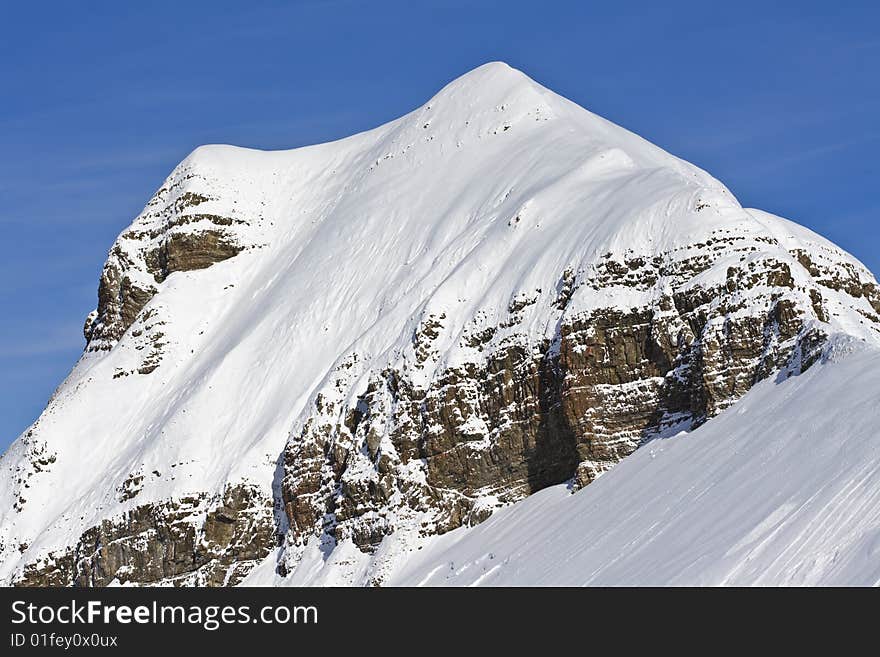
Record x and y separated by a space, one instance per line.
782 489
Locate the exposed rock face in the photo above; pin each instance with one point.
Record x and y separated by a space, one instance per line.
169 236
529 415
193 541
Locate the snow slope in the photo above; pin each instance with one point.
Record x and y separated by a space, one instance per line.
781 489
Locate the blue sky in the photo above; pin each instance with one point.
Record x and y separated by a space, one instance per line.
99 101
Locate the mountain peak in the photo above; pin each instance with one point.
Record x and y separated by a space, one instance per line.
493 86
495 98
399 332
492 72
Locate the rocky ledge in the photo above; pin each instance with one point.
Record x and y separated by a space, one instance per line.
174 233
192 541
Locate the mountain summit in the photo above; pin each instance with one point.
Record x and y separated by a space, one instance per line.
310 363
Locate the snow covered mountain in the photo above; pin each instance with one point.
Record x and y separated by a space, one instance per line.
308 366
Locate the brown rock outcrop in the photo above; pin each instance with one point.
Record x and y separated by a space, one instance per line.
190 541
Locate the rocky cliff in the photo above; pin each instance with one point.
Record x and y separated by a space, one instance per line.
528 414
363 344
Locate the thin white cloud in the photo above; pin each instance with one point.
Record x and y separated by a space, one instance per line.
793 159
